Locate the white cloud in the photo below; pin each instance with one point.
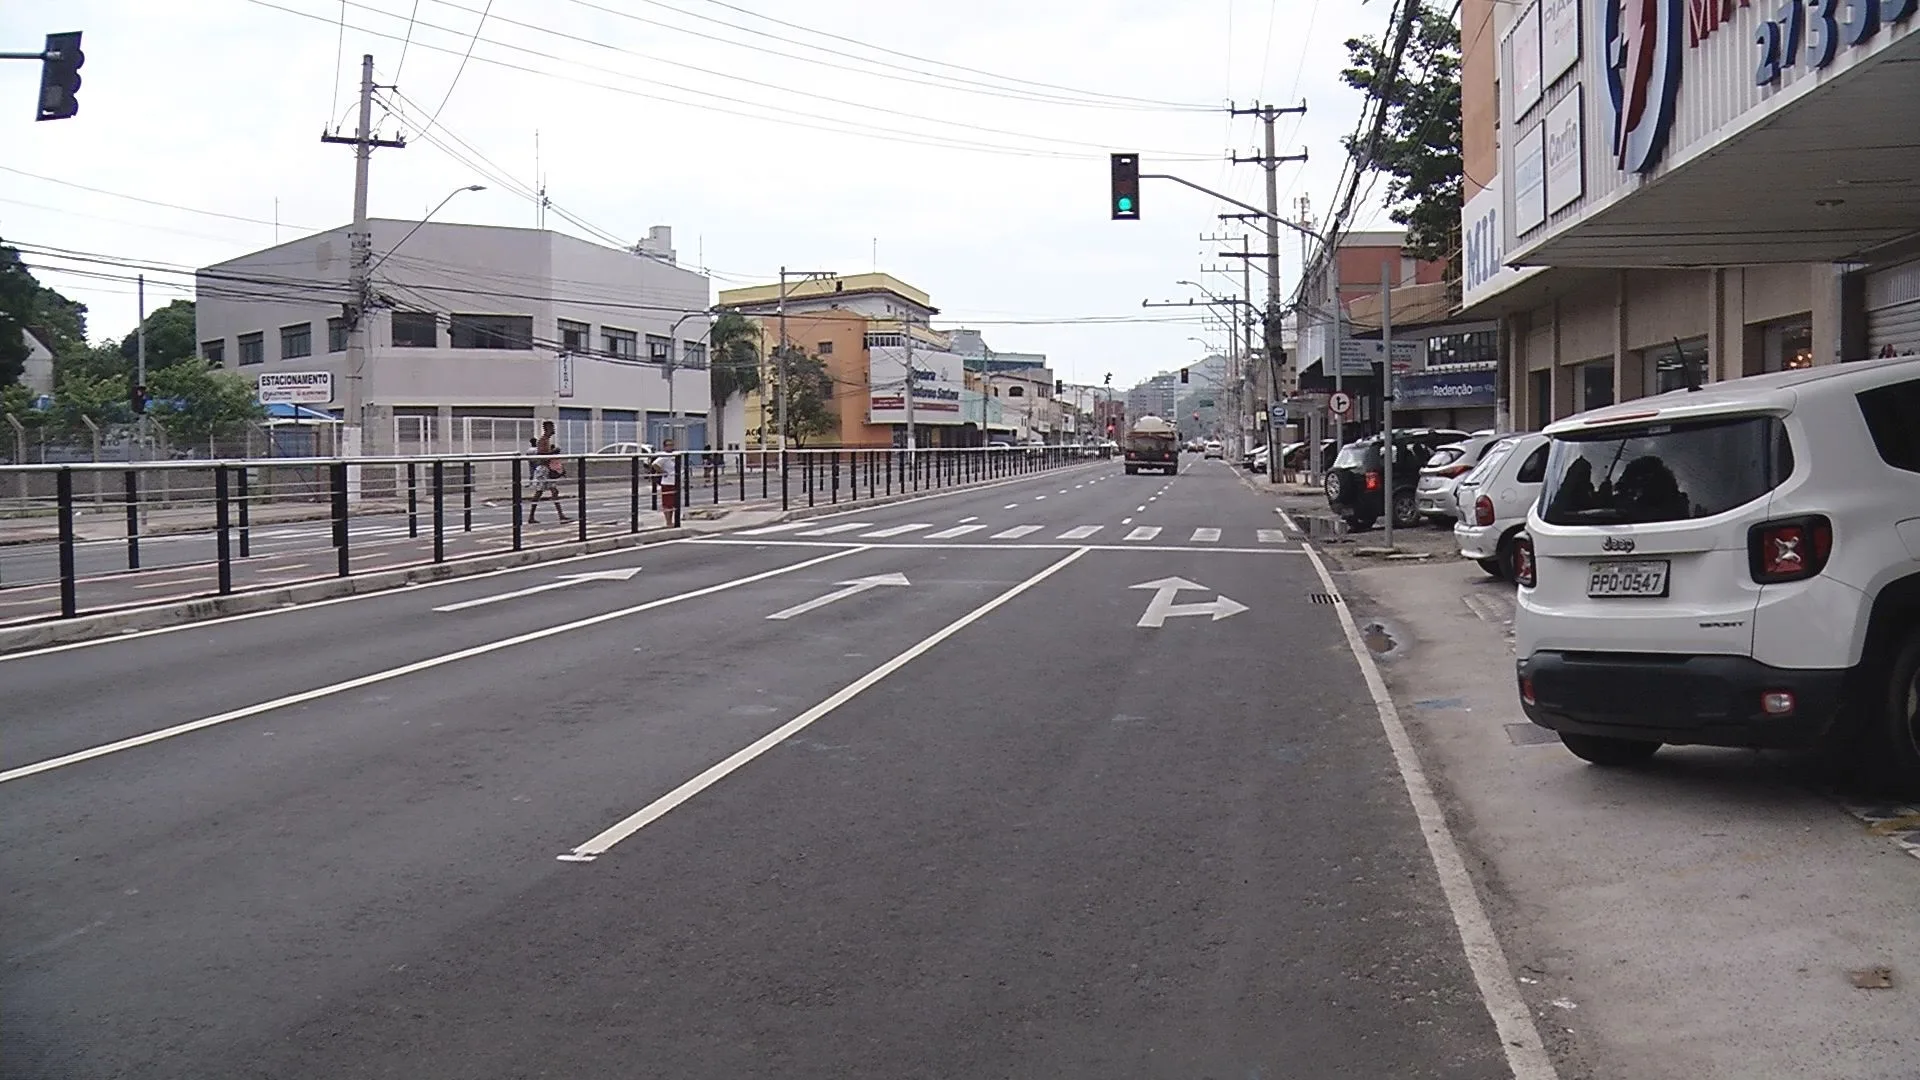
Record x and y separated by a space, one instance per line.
219 104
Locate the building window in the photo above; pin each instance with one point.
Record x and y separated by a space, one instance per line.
693 354
622 343
416 330
1478 347
574 336
658 348
1596 385
296 341
336 335
825 348
1674 368
1016 391
253 348
215 351
1787 346
882 341
490 331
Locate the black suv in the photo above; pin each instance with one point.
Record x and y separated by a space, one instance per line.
1356 483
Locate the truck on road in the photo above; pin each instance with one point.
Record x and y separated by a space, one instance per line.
1152 443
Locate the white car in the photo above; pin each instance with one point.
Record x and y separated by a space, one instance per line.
1493 499
1737 565
1213 449
1442 473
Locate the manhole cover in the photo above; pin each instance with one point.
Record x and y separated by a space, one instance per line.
1326 598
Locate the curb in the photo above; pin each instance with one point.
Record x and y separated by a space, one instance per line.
108 624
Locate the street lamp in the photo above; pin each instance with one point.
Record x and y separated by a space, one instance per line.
673 361
423 221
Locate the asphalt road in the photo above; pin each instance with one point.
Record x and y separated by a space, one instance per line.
970 818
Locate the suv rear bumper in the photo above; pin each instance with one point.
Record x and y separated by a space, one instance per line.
1681 700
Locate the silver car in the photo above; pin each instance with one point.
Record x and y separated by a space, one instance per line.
1434 495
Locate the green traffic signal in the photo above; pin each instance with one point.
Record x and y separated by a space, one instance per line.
1125 205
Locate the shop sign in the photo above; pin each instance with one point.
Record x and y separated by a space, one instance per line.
1813 33
1641 43
1446 390
1559 38
1566 157
1530 181
1525 45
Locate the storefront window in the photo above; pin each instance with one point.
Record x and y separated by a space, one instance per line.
1478 347
1596 385
1675 365
1788 346
1542 399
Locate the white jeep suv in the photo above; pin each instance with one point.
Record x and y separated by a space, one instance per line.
1737 565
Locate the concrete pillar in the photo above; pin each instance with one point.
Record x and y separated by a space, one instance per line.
1827 328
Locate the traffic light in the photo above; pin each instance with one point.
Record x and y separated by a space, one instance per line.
1059 387
137 397
60 77
1109 378
1183 375
1126 187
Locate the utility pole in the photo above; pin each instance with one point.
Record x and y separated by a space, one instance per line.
907 322
360 274
140 353
1386 384
1271 161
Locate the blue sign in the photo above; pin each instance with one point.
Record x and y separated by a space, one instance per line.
1444 390
1641 48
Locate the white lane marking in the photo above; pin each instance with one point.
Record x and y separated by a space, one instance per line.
845 526
1291 524
782 527
1153 498
964 520
850 588
1271 536
1141 509
283 569
1010 506
957 530
1015 533
564 581
1144 532
1063 491
1526 1055
897 530
1079 532
1126 521
1204 536
1039 498
407 669
713 774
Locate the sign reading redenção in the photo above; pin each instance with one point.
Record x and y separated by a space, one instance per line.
295 388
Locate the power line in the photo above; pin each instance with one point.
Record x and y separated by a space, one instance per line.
462 69
139 199
403 45
339 53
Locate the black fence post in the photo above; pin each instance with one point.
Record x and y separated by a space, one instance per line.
413 501
580 487
69 588
439 510
466 496
246 531
518 464
808 459
132 482
716 468
680 478
633 494
834 495
741 461
337 472
222 542
784 499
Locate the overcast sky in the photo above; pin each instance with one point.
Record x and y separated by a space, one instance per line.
967 143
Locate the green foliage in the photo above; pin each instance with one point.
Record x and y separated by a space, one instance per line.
102 400
809 397
1419 144
734 364
18 291
16 400
211 403
102 361
171 337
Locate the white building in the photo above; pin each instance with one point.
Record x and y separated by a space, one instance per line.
479 333
37 376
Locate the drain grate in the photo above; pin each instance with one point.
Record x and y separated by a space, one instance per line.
1326 598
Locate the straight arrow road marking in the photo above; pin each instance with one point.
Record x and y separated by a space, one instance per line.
1161 607
565 580
851 588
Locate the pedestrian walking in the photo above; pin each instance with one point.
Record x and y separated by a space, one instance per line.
548 467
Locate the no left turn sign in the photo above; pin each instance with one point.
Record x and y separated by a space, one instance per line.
1340 403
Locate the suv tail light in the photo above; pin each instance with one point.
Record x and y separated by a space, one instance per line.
1483 511
1454 470
1523 565
1373 481
1791 549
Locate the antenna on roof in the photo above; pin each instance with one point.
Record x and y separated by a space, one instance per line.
540 193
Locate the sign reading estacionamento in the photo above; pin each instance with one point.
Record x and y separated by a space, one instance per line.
296 388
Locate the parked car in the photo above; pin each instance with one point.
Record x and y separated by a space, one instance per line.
1737 565
1493 499
1357 481
1213 448
1443 471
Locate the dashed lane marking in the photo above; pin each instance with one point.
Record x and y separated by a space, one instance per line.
897 530
1144 532
946 534
1079 532
1015 533
843 527
1205 536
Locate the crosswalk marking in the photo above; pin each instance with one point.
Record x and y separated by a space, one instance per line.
897 530
1272 536
1016 532
1080 532
1144 532
831 529
948 534
765 529
1205 536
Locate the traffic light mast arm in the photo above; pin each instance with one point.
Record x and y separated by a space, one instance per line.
1254 210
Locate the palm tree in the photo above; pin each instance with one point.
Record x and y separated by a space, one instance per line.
733 366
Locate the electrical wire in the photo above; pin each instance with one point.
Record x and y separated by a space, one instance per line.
139 199
892 136
464 57
339 54
401 66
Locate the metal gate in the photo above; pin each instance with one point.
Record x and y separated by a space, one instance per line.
1893 311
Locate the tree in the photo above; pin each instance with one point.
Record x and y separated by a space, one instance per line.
102 399
102 361
1419 142
171 337
809 397
18 292
733 358
195 401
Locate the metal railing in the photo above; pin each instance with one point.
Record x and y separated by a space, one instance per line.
87 537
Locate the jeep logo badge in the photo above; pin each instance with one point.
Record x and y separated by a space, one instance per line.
1618 543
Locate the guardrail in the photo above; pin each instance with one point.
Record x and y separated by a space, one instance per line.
85 537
